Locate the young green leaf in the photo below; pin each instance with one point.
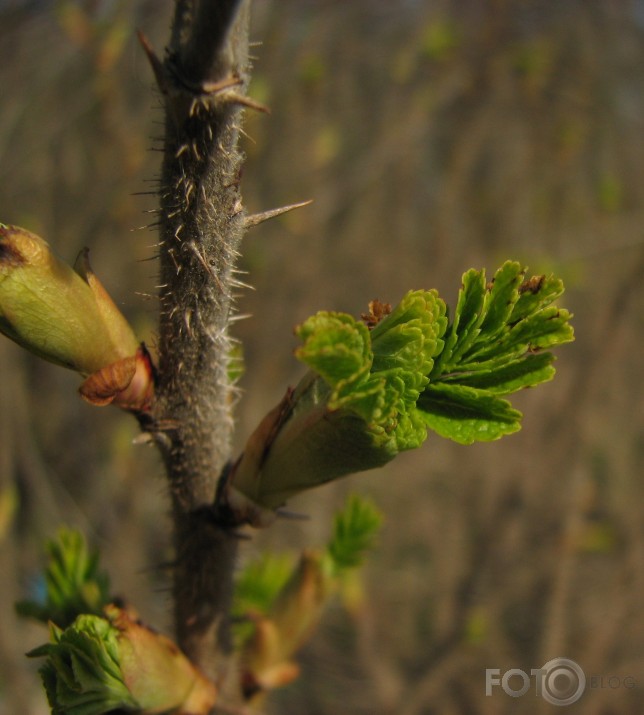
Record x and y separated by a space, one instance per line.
74 583
285 617
82 674
492 348
371 394
500 299
256 588
354 531
354 411
465 414
102 665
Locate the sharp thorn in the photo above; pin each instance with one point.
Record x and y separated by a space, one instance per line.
255 219
155 62
234 98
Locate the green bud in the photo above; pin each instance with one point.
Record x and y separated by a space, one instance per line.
97 665
61 314
266 656
82 674
157 673
355 410
65 316
375 389
282 626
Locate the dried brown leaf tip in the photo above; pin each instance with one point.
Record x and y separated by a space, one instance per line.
127 383
377 312
10 255
533 285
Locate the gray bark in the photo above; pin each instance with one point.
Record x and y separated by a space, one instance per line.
203 79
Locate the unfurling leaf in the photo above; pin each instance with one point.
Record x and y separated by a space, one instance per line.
354 531
492 349
103 664
372 393
82 673
294 615
355 409
74 583
290 606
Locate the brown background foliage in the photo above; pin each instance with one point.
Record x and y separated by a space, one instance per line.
433 136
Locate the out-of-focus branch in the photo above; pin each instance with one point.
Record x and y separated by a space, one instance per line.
204 55
203 79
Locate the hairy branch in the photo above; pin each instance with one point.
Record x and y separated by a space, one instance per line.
203 78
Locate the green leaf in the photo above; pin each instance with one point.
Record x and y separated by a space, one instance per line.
257 587
468 315
74 583
378 375
354 531
544 329
100 665
492 348
82 675
501 298
372 394
534 295
466 414
259 582
522 372
410 336
336 346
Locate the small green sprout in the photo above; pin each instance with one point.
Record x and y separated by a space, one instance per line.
74 583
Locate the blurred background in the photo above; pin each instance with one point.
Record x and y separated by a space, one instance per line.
434 136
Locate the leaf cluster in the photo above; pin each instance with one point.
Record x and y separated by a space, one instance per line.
493 347
260 584
415 370
354 531
82 674
375 388
378 374
74 582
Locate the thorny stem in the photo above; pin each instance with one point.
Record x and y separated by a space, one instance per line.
201 228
